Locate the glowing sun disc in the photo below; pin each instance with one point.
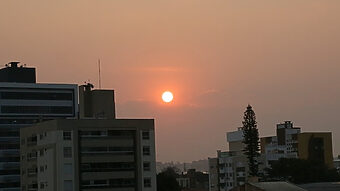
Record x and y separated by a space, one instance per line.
167 97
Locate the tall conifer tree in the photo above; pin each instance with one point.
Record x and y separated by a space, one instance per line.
251 140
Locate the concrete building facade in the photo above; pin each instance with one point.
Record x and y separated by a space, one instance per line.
229 168
89 154
283 145
24 102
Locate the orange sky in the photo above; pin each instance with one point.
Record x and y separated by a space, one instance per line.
216 56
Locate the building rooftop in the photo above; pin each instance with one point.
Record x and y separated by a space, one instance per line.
324 186
277 186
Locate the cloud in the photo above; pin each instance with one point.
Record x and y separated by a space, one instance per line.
157 69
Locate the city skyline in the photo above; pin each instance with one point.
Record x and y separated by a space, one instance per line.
281 57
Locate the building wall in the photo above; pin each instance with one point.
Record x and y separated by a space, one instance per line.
93 142
213 174
21 105
305 144
96 103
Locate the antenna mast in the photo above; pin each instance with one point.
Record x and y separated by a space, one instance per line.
100 83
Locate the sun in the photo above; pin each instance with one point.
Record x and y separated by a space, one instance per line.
167 96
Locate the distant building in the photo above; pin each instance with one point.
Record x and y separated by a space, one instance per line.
230 169
283 145
24 102
289 142
89 154
193 180
316 146
213 174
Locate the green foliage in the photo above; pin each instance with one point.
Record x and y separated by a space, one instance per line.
251 140
301 171
166 180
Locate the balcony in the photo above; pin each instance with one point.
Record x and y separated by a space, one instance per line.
31 172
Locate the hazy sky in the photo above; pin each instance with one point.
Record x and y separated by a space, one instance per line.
281 56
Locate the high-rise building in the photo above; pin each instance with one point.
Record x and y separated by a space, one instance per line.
89 154
24 102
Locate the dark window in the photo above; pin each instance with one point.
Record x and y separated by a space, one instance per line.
146 150
146 166
10 159
36 96
41 152
107 167
147 182
22 141
42 168
9 146
67 135
110 133
107 150
146 135
37 109
67 152
110 183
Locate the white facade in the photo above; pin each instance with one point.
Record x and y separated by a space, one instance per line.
284 145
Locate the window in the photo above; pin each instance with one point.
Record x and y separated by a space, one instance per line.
145 135
68 185
42 185
147 182
68 168
67 152
67 135
37 109
146 166
146 150
41 136
41 152
42 168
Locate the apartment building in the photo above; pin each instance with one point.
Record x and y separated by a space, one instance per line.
283 145
24 102
89 154
230 168
290 142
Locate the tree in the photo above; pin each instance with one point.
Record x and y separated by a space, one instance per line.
301 171
166 180
251 140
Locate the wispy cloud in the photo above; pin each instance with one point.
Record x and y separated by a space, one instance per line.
158 69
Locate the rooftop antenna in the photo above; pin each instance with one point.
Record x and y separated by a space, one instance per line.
100 82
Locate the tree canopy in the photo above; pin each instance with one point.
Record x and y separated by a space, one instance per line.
166 180
301 171
251 140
